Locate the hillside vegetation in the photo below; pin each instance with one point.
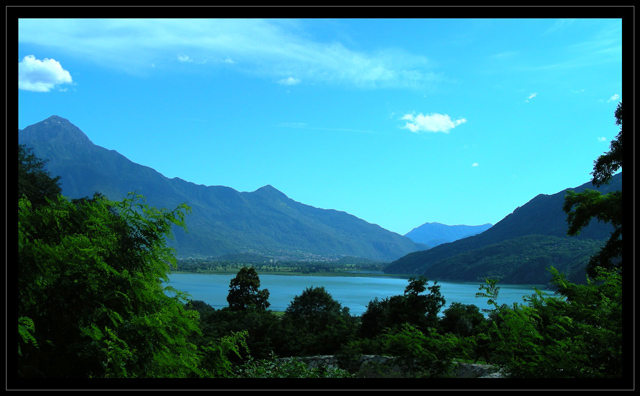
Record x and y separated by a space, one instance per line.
224 221
466 259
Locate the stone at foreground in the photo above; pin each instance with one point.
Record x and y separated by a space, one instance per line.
463 370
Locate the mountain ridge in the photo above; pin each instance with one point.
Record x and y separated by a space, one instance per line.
223 220
433 234
541 216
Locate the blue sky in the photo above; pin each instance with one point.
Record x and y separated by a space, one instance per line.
396 121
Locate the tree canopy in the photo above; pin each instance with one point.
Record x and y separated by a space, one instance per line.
34 181
414 307
582 207
92 302
244 291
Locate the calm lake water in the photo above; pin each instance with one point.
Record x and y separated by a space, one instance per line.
354 292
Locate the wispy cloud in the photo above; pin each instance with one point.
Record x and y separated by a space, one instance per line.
560 24
614 98
289 81
41 75
262 47
603 45
531 96
433 122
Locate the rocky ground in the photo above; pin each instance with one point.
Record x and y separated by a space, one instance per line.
383 366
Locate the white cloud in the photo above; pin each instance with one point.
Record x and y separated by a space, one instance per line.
433 122
602 139
289 81
531 96
475 164
41 75
188 59
614 98
276 49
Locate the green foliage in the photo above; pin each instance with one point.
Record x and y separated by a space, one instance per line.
34 182
261 327
420 310
92 302
462 320
244 291
582 207
217 356
610 162
315 323
490 291
90 291
26 329
420 354
577 334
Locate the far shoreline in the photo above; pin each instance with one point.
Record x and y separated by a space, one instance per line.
300 273
361 274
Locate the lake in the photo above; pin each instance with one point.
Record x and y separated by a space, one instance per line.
354 292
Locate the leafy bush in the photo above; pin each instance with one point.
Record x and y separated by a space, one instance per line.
91 299
577 334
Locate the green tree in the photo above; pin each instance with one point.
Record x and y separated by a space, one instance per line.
244 291
261 328
414 307
315 323
34 182
92 299
463 320
582 207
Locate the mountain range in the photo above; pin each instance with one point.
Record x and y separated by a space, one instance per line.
223 221
434 234
517 249
265 222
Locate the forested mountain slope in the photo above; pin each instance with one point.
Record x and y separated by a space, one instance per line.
542 216
223 220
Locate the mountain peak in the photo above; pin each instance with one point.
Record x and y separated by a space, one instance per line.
267 188
62 123
55 128
56 119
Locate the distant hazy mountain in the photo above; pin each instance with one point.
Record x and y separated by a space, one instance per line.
475 257
434 234
223 221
